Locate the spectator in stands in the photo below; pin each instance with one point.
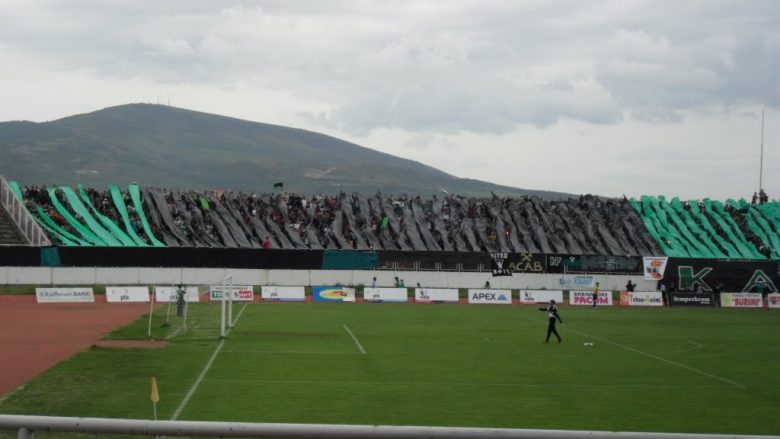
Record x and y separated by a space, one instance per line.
373 282
754 199
762 196
487 284
630 286
267 243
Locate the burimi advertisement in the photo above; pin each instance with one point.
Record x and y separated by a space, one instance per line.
741 300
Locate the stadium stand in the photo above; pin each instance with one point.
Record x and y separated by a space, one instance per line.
712 229
588 225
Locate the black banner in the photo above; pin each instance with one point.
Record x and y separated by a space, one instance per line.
692 299
440 261
20 256
498 264
584 264
174 257
526 263
707 275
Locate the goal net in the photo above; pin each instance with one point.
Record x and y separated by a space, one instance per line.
193 312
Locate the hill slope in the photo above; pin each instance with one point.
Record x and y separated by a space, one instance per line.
171 147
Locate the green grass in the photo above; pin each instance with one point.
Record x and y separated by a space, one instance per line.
669 370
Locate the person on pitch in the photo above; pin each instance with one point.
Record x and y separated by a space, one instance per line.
596 294
552 316
180 301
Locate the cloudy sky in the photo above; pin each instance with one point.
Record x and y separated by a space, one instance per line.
609 97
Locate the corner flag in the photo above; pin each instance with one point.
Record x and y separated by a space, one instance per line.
155 395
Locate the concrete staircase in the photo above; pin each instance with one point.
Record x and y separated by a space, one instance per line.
9 235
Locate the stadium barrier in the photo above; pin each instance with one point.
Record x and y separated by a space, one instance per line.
81 276
26 426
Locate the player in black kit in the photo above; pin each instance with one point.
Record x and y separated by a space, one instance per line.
552 315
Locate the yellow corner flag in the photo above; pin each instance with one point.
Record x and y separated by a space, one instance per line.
155 395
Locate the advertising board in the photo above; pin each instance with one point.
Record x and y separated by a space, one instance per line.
691 299
645 298
773 300
540 296
573 281
585 298
127 294
436 295
385 295
283 294
333 294
168 294
64 295
239 293
490 296
741 300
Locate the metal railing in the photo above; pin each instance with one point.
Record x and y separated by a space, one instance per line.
32 232
26 426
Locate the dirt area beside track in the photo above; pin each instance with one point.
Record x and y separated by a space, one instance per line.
36 336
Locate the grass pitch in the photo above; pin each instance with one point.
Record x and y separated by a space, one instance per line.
668 370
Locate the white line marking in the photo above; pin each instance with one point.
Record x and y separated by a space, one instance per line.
357 343
174 333
680 351
674 363
465 384
197 382
239 351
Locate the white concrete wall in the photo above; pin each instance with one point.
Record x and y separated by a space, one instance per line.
198 276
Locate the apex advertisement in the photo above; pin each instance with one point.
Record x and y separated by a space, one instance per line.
495 297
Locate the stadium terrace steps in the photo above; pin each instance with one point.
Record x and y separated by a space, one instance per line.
9 235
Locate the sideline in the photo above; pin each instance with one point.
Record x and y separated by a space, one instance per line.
202 375
357 343
260 381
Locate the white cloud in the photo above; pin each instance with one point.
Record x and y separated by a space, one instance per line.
446 83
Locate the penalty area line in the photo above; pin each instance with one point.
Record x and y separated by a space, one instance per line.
202 375
357 342
655 357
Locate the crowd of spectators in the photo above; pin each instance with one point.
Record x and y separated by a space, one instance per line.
584 225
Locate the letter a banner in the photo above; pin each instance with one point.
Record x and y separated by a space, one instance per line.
654 267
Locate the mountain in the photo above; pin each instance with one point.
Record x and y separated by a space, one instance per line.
158 145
